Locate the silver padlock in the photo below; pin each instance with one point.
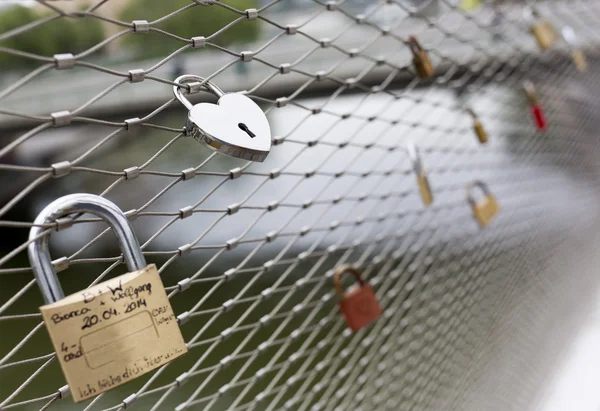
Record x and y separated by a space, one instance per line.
111 332
236 126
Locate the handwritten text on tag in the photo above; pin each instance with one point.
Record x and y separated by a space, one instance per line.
113 332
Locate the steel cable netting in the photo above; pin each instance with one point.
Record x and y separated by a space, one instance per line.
472 319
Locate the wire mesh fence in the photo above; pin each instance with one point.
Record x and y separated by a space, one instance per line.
247 250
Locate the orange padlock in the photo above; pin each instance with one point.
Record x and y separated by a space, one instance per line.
359 305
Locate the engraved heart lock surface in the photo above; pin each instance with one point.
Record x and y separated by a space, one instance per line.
236 126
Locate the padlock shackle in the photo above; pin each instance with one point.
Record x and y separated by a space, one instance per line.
341 270
415 158
206 86
38 250
415 46
477 183
531 93
568 34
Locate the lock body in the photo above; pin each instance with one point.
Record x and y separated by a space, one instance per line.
425 189
113 332
538 117
236 126
544 34
482 135
423 65
485 210
360 307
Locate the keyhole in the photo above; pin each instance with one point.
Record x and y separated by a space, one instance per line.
246 129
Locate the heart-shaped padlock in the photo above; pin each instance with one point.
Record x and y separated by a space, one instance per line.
235 126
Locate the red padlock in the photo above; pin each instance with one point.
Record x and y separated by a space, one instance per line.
536 109
359 305
538 115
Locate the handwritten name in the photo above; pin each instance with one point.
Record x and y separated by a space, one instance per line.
58 317
131 292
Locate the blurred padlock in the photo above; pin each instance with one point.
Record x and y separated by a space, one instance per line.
543 31
536 109
478 127
114 331
576 52
422 8
468 5
485 209
422 180
579 60
359 306
421 59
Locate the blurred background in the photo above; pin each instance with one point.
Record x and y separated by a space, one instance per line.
500 318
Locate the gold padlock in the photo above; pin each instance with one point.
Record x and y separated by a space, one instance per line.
425 189
579 60
577 54
543 31
422 180
485 209
114 331
478 127
421 59
544 34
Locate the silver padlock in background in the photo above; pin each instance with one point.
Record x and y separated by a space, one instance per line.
236 126
111 332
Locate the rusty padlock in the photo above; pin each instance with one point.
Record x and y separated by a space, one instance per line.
478 128
543 31
536 109
111 332
422 180
485 209
359 306
577 54
421 59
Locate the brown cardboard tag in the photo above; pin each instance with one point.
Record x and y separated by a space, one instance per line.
113 332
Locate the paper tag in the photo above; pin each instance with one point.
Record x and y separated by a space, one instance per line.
113 332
